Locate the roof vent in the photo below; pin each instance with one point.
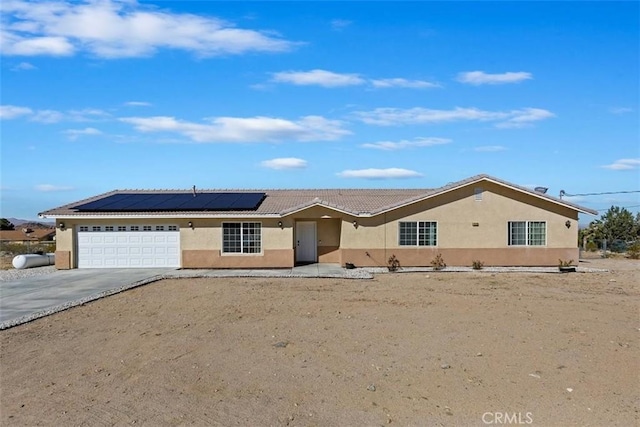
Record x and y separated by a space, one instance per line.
541 190
194 191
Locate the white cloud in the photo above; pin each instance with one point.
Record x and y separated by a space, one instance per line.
120 29
137 104
318 78
340 24
24 66
490 148
239 129
403 83
47 188
624 164
390 173
52 116
418 115
73 134
285 163
13 43
399 145
11 111
47 116
620 110
330 79
482 78
525 118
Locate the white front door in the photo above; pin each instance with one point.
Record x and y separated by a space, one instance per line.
106 246
306 243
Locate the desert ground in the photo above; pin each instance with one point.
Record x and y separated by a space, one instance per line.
406 349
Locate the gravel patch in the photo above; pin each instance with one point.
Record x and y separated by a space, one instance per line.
14 274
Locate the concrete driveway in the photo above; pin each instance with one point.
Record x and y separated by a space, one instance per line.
26 299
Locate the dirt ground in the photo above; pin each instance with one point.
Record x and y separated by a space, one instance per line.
419 349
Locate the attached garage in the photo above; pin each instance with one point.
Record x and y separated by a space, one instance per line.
128 246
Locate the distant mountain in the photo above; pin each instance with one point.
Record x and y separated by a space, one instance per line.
19 223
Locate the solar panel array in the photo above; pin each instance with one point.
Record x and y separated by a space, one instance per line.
141 202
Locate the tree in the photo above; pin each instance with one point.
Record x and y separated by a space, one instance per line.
618 224
6 225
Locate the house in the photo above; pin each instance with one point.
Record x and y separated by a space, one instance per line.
27 235
480 218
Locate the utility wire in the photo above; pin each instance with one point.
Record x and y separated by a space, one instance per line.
563 193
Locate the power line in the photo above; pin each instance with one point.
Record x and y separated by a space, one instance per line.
563 193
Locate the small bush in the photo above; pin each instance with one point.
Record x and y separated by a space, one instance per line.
477 265
591 246
438 263
633 251
393 263
563 263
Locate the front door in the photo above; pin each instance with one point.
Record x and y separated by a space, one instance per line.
306 244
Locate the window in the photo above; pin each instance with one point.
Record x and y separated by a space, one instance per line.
527 233
242 237
417 233
122 228
108 228
96 228
84 228
135 228
159 227
173 228
146 228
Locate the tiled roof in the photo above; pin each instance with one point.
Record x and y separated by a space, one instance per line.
357 202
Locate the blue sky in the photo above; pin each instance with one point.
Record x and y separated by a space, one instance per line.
105 95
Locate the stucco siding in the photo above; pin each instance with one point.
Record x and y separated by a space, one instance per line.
464 222
270 258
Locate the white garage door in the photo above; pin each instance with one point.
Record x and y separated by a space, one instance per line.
128 246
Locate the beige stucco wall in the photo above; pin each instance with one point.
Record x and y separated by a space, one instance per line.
456 212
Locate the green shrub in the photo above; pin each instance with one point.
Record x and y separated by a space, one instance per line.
591 246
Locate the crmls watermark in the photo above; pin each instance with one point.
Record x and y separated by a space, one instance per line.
507 418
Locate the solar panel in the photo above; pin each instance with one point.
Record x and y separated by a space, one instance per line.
145 202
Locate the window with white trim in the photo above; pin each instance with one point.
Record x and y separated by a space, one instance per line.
146 228
242 237
173 228
417 233
159 227
122 228
108 228
96 228
84 228
527 233
135 228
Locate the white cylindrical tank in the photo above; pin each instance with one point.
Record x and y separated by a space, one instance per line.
33 260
